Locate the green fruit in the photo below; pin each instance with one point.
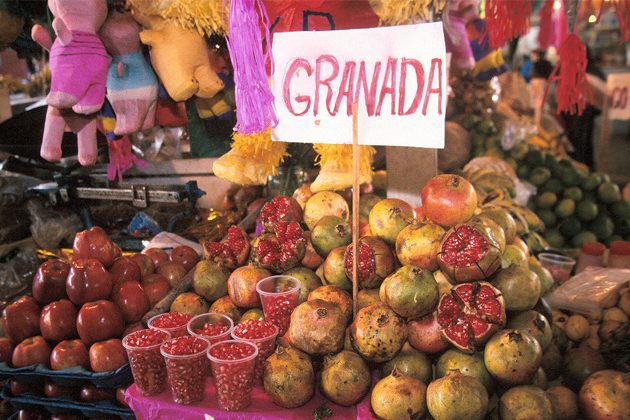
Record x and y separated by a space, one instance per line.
519 151
586 210
569 176
467 364
623 226
546 200
570 226
604 177
582 237
551 161
609 192
539 175
574 193
591 182
555 238
522 171
329 233
621 209
565 208
554 185
602 227
548 217
410 362
534 158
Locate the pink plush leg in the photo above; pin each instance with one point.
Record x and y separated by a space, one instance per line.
85 128
149 120
53 135
129 115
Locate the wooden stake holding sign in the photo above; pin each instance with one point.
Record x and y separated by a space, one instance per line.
391 79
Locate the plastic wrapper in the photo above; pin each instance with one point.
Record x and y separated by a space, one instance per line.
50 227
160 143
13 187
586 292
16 274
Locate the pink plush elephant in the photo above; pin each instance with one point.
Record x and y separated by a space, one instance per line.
132 87
78 63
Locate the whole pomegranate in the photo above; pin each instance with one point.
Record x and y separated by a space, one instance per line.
280 248
378 333
448 200
512 357
467 364
317 327
457 396
564 402
519 286
288 378
189 303
280 209
242 285
302 194
535 324
225 305
579 364
210 280
329 233
374 264
425 334
334 295
366 297
552 362
418 244
231 252
470 314
525 402
410 362
334 270
410 291
345 378
311 258
399 397
469 252
503 218
324 203
366 204
495 229
309 281
606 395
388 217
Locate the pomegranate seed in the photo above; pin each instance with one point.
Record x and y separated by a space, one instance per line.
261 333
147 364
234 380
210 330
187 367
278 310
173 322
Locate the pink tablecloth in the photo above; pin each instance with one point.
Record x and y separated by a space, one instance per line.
162 407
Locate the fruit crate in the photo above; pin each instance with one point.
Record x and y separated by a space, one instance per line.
63 405
69 377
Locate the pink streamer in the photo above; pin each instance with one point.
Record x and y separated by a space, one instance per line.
121 158
255 110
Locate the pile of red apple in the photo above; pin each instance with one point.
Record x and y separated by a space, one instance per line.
80 310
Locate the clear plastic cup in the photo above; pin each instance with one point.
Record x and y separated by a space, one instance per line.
174 330
266 346
559 266
147 364
211 321
187 373
234 374
279 296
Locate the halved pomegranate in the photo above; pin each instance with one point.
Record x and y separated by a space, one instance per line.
376 262
280 249
470 314
469 252
280 209
231 252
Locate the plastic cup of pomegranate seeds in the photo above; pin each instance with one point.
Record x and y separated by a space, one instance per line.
263 334
279 296
212 326
559 266
174 323
187 367
232 363
147 364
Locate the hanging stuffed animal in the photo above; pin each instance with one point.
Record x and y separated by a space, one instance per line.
132 87
179 56
78 63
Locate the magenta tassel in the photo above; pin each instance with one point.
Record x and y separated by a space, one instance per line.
255 110
121 158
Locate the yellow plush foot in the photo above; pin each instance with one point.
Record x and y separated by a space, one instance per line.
336 166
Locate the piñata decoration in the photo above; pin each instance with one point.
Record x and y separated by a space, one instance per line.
335 162
402 12
506 20
204 16
121 158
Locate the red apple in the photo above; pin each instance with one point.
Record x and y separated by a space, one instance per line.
186 256
19 388
31 351
107 355
158 256
94 243
129 328
6 350
53 390
157 289
49 283
68 354
88 281
98 321
174 272
58 321
132 300
145 264
152 278
120 396
21 319
90 393
125 269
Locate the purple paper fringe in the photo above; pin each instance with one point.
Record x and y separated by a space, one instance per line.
255 110
121 158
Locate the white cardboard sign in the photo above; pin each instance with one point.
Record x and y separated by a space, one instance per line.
397 75
618 87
